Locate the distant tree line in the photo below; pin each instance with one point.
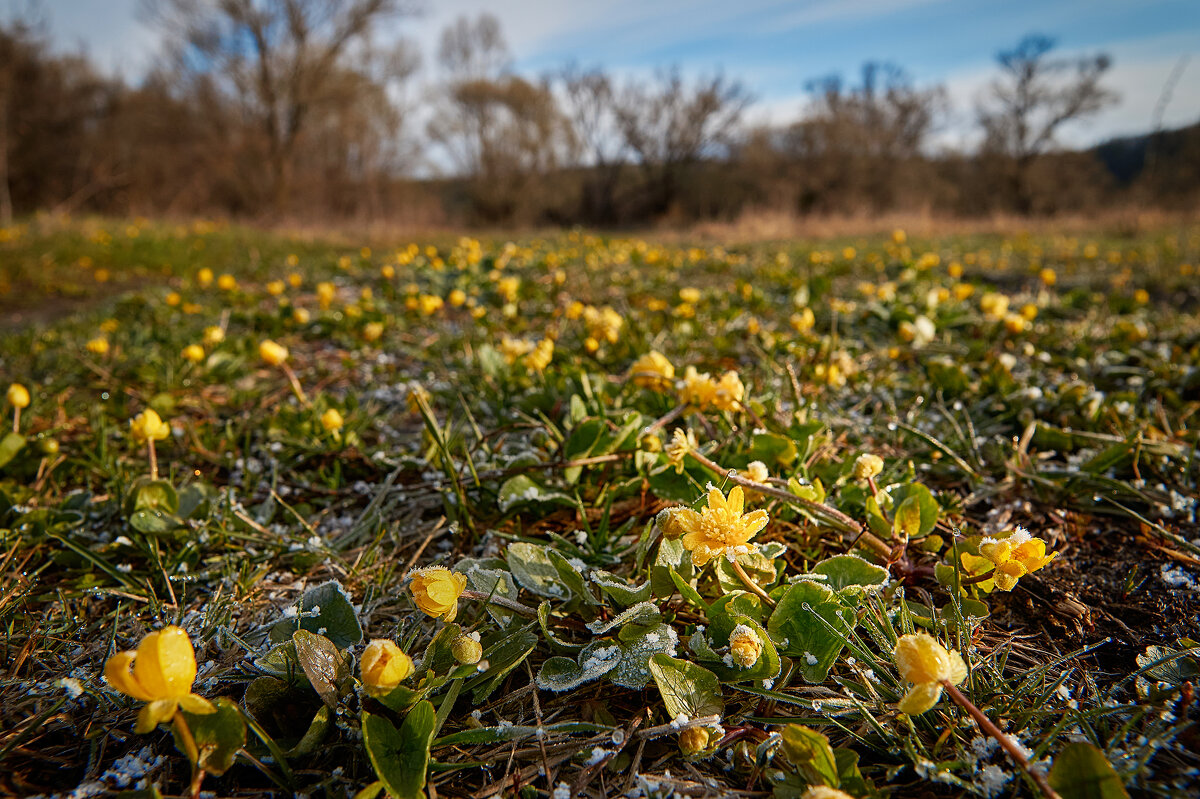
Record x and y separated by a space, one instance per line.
305 109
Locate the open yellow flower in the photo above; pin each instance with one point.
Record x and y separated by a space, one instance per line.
926 664
1015 556
149 426
436 591
332 420
652 371
160 672
698 390
721 528
729 393
384 666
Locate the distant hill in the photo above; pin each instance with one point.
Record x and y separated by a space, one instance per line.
1171 153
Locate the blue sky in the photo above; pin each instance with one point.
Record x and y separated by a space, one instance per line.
775 47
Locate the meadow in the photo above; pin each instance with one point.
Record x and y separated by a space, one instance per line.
593 515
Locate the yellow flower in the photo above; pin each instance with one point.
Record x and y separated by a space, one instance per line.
332 420
325 294
994 305
430 304
213 335
1014 556
699 389
721 528
160 672
803 320
98 346
540 357
193 353
729 393
383 666
681 444
301 316
694 740
926 664
174 298
227 282
652 371
272 353
436 591
148 426
514 348
372 331
457 297
205 277
275 288
744 646
756 471
690 295
18 396
1048 276
867 466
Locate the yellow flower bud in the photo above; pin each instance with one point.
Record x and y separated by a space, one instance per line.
160 672
466 649
926 664
193 353
867 466
98 346
226 282
205 277
436 591
745 646
383 666
148 426
301 316
650 443
332 420
694 740
272 353
18 396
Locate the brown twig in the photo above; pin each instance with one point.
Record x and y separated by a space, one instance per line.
1010 746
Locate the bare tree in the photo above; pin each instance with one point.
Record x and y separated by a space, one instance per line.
1032 99
283 59
670 126
856 144
588 101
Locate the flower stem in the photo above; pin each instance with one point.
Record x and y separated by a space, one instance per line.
16 419
296 389
1005 741
753 586
193 753
153 459
978 578
504 602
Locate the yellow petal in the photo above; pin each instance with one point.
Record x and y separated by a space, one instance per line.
920 697
155 713
197 705
147 670
117 672
716 500
1007 575
177 660
755 521
737 501
958 668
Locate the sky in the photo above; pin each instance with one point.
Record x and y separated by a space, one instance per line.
775 48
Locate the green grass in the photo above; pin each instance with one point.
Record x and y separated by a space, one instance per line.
544 487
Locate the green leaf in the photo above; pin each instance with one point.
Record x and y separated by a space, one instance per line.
907 523
638 645
619 589
492 582
10 445
671 555
533 569
809 751
502 657
325 609
218 736
926 505
687 689
846 571
569 576
641 613
1082 772
520 490
809 639
565 674
400 757
327 669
